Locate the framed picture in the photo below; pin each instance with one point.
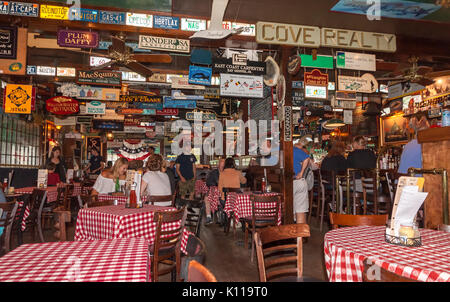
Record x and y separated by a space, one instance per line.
394 130
93 142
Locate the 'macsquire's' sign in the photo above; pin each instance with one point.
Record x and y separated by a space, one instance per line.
62 105
99 77
77 38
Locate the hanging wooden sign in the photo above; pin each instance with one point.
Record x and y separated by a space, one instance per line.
98 77
140 99
62 105
18 99
77 38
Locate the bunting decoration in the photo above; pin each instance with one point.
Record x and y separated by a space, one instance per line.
133 151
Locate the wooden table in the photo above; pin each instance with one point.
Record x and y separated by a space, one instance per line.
118 260
346 248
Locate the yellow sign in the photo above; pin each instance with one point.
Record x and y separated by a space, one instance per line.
54 12
18 98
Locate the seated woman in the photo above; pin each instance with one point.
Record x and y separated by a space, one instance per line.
53 177
335 160
230 177
155 182
106 181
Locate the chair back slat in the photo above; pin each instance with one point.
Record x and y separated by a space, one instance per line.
276 258
151 199
7 217
265 208
338 220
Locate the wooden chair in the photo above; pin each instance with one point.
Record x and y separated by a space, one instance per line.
374 202
36 204
165 198
194 218
195 250
7 218
279 251
167 246
338 220
199 273
375 273
265 212
314 196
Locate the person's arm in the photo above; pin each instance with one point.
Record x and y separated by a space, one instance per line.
143 187
242 178
220 185
194 168
304 165
179 173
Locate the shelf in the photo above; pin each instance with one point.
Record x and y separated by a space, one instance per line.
433 135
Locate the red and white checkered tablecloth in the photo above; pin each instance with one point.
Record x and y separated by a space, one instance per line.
121 200
110 222
124 260
213 198
346 248
241 205
201 187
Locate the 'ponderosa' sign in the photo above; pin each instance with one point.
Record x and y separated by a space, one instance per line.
161 43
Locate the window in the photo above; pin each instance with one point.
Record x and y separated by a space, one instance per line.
19 142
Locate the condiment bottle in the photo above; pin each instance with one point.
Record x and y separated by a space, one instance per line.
5 185
263 185
133 197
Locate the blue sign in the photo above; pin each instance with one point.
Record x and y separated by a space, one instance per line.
24 9
200 75
166 22
183 104
31 70
134 46
118 18
83 14
297 84
157 106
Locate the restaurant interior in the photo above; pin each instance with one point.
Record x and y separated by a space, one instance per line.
224 141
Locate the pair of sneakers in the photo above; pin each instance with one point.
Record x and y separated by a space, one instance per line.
208 220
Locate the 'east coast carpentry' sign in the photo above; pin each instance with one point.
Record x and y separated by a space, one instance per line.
165 44
77 38
97 77
313 36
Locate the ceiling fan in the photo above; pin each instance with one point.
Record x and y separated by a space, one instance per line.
416 74
122 55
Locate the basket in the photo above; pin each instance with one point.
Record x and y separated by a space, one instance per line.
402 241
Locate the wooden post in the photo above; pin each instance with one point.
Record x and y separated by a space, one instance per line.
288 162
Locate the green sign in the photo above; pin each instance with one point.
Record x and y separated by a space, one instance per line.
320 62
340 60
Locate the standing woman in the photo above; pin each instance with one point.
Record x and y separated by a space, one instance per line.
57 159
106 181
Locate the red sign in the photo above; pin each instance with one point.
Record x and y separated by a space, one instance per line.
167 111
62 105
316 78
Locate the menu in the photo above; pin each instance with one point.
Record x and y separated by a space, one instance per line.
42 178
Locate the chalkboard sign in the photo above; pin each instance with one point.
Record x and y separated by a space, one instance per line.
8 42
261 109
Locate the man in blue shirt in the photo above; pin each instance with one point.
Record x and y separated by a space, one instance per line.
302 179
185 165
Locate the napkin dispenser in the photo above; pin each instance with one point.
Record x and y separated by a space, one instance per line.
402 228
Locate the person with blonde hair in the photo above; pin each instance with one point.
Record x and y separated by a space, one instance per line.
106 181
155 182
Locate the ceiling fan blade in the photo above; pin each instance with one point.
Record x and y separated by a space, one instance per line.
117 44
424 82
152 58
437 74
390 79
139 68
422 70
